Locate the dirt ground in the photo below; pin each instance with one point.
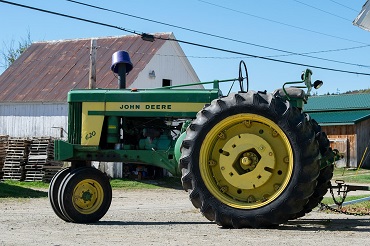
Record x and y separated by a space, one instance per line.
166 217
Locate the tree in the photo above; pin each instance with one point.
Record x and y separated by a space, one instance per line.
10 52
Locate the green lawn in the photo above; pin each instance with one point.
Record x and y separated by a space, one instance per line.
21 189
173 182
352 175
15 189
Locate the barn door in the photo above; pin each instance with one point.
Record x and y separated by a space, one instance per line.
341 144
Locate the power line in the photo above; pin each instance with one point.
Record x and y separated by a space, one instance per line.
143 53
263 57
148 36
183 28
69 16
324 11
340 49
344 6
281 23
221 37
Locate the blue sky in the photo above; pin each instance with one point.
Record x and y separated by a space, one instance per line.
322 28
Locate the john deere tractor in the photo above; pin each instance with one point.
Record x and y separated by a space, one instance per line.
248 159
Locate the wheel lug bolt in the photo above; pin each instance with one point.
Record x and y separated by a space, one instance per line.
224 189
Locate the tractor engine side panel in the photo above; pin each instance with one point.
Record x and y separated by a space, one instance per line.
131 126
100 105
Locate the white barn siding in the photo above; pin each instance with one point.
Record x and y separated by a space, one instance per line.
33 119
170 63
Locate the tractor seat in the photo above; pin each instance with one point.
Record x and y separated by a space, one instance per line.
293 92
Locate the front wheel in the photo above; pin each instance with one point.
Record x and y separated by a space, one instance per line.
249 160
85 195
53 191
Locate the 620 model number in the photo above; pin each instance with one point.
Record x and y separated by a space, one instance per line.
90 135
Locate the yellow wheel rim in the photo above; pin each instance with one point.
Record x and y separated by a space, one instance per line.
246 161
87 196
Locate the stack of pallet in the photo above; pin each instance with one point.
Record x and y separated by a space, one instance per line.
16 158
3 147
41 165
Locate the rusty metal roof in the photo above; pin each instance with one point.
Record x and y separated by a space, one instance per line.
46 71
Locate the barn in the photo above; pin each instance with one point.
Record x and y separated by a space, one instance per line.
33 90
346 120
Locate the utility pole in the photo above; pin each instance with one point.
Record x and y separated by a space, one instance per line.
92 74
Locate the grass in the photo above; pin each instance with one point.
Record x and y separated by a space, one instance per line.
352 175
329 200
16 189
173 182
357 208
21 189
34 185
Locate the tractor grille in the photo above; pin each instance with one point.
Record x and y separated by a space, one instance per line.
74 122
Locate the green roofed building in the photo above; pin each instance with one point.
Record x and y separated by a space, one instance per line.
345 119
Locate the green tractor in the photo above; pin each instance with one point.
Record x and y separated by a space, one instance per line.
248 159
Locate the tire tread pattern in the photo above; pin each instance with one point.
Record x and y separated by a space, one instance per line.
305 151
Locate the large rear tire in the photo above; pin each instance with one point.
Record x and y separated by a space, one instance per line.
249 160
326 174
85 195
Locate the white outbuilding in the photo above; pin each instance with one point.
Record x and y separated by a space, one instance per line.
33 90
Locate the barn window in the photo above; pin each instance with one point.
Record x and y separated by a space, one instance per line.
166 82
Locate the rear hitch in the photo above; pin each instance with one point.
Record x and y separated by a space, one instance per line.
342 191
344 188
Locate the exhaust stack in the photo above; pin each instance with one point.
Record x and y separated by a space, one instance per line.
121 65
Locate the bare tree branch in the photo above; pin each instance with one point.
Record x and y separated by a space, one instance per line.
11 52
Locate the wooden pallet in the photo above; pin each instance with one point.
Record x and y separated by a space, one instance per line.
15 158
49 174
3 147
27 159
13 176
41 159
34 175
13 169
33 167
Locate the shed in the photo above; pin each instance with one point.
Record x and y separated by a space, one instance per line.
345 118
33 90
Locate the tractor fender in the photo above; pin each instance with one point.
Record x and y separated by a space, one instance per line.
178 144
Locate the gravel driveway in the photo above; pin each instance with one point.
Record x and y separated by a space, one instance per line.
166 217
